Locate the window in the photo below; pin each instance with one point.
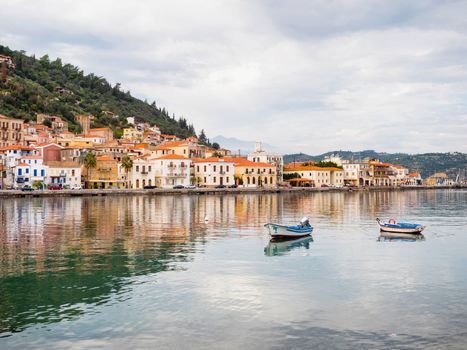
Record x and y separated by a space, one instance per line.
205 168
149 169
214 179
254 180
214 168
20 172
27 170
35 172
205 179
137 170
197 168
42 172
72 172
227 168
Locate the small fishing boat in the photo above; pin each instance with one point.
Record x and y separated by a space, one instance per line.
283 231
400 227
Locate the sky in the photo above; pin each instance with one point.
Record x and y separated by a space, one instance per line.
310 76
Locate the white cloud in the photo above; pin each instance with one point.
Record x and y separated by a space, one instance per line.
307 76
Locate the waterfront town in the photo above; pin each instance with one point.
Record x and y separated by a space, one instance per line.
43 154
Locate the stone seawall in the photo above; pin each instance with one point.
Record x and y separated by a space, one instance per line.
4 194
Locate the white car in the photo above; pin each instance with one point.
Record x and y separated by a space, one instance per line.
76 187
190 187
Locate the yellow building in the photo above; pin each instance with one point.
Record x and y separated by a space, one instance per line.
132 134
104 175
187 148
317 176
253 174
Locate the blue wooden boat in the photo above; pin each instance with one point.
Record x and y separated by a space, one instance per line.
400 227
284 231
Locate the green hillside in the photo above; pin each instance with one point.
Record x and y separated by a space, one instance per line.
427 163
56 88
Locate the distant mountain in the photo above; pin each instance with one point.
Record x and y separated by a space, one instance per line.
52 87
245 147
427 163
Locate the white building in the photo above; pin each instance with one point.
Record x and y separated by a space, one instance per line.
172 170
356 173
29 170
143 173
164 171
66 174
212 172
261 156
10 158
319 176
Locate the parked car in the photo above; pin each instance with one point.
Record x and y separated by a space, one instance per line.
232 186
149 187
55 187
324 185
27 188
191 187
76 187
220 186
178 187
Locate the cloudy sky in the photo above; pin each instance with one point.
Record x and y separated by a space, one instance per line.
308 76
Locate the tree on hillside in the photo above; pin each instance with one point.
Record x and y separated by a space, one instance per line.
47 123
202 137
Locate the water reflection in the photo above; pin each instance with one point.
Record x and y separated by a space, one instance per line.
400 237
277 247
70 258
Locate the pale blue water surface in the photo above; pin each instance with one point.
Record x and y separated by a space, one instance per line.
145 272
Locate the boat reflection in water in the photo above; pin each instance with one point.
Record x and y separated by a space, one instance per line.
281 246
403 237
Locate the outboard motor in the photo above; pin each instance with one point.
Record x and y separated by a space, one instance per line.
305 222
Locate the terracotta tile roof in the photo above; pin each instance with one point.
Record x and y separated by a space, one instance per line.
23 164
5 117
172 156
100 129
175 143
211 160
245 162
415 174
55 164
310 168
380 164
104 158
31 157
16 147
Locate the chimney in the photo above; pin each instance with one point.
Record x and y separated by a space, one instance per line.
3 71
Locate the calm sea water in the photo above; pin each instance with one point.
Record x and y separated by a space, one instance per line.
148 272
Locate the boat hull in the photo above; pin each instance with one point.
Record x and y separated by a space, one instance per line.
416 230
282 231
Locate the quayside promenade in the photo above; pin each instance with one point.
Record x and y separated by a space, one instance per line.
204 191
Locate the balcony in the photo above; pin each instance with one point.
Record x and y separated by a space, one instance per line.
144 172
172 174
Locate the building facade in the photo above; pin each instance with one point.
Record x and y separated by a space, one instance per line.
11 131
